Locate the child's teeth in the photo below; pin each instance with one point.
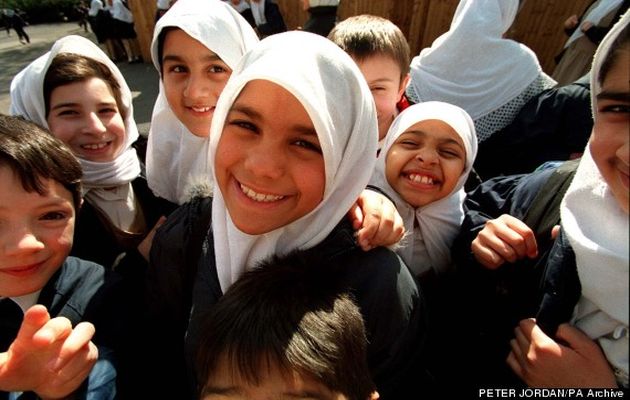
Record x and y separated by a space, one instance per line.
265 198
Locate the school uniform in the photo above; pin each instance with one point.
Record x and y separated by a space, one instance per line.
267 17
324 79
175 163
322 16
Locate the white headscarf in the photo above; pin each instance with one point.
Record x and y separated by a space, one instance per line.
471 65
337 99
597 12
174 159
597 229
27 99
438 222
258 10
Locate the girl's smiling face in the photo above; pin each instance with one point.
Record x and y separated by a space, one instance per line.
610 142
193 78
425 162
84 115
268 164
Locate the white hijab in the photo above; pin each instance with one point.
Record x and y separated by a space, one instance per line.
438 222
597 229
337 99
175 161
27 99
471 65
258 10
597 12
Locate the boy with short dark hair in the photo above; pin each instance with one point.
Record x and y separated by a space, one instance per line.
40 193
285 327
381 51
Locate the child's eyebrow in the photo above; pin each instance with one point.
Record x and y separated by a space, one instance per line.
614 95
177 58
71 104
444 141
255 115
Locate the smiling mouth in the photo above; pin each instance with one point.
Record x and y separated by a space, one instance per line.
259 197
423 179
201 109
95 146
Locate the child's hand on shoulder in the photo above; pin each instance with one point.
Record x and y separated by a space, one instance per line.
376 221
504 239
48 356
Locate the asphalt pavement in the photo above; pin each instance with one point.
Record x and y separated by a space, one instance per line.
142 78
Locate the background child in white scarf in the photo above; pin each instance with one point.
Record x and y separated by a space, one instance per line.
592 351
81 96
195 47
427 156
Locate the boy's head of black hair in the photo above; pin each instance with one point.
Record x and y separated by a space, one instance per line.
289 312
34 155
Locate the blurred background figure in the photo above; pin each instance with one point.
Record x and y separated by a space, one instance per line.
322 15
585 33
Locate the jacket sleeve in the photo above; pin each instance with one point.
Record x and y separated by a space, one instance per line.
502 195
395 322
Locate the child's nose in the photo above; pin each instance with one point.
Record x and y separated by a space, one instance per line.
93 124
266 163
427 156
21 241
196 87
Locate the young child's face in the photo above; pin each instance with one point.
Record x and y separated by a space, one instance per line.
84 115
610 143
382 74
226 384
193 78
35 233
269 165
425 162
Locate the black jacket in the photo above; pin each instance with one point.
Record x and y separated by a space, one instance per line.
383 286
496 300
551 126
94 238
321 20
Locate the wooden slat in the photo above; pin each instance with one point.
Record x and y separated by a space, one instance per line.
539 24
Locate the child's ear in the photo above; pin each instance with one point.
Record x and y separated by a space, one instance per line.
374 396
403 86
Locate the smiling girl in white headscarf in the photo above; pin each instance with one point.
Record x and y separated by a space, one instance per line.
98 126
195 47
288 145
427 156
592 351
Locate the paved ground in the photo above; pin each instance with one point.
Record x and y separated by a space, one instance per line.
141 78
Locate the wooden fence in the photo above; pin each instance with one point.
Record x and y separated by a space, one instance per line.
539 24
